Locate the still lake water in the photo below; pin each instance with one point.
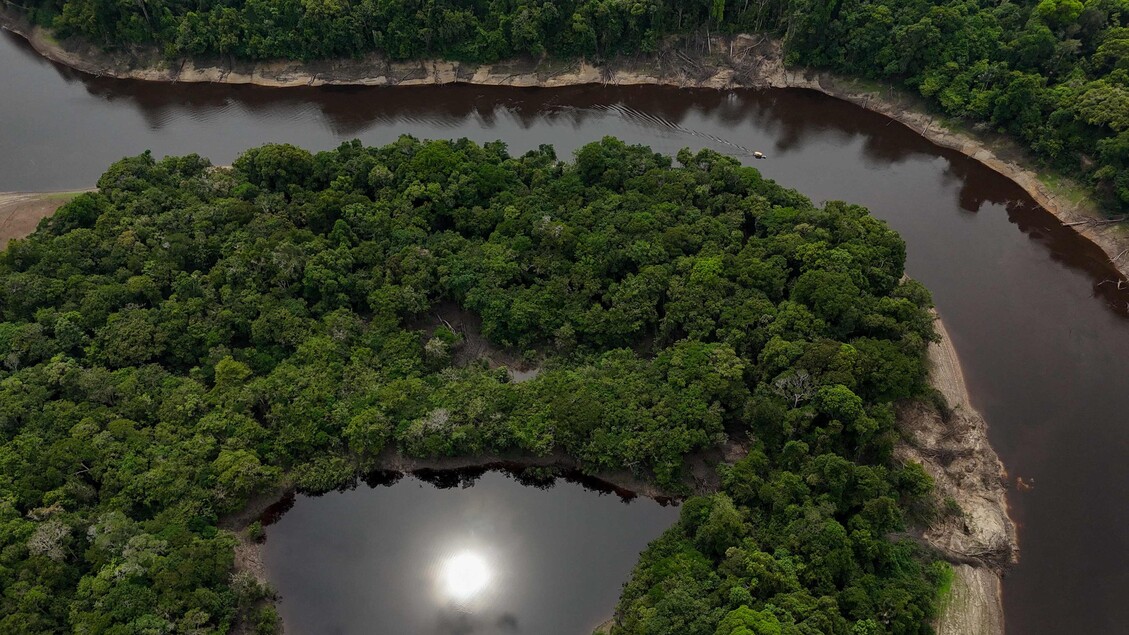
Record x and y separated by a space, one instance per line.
498 558
1042 335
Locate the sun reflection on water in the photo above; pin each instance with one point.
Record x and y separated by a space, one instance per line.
464 576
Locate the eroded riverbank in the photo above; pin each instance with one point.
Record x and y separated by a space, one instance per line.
973 530
742 61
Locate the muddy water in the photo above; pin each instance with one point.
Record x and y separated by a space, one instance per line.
1040 329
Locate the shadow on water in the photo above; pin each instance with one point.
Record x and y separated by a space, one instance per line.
534 476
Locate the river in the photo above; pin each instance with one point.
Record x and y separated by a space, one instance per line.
1043 336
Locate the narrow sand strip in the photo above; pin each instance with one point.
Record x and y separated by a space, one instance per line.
20 212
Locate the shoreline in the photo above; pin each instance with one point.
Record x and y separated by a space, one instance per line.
977 536
742 61
20 212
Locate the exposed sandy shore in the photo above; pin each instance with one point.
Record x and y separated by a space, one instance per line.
972 607
20 212
979 538
1004 157
740 61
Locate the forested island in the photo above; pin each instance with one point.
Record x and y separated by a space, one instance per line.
188 337
1053 74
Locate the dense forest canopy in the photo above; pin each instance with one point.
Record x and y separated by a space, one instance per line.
187 337
1052 73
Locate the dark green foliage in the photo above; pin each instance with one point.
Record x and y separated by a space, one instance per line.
794 549
1052 73
188 337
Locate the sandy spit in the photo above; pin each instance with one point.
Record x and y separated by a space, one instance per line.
20 212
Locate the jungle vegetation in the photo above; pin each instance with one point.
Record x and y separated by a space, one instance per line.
187 337
1053 74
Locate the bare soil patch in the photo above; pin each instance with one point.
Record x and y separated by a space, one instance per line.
20 212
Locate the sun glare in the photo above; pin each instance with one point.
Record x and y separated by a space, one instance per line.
465 575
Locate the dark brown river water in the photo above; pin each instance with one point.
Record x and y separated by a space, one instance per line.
1042 336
